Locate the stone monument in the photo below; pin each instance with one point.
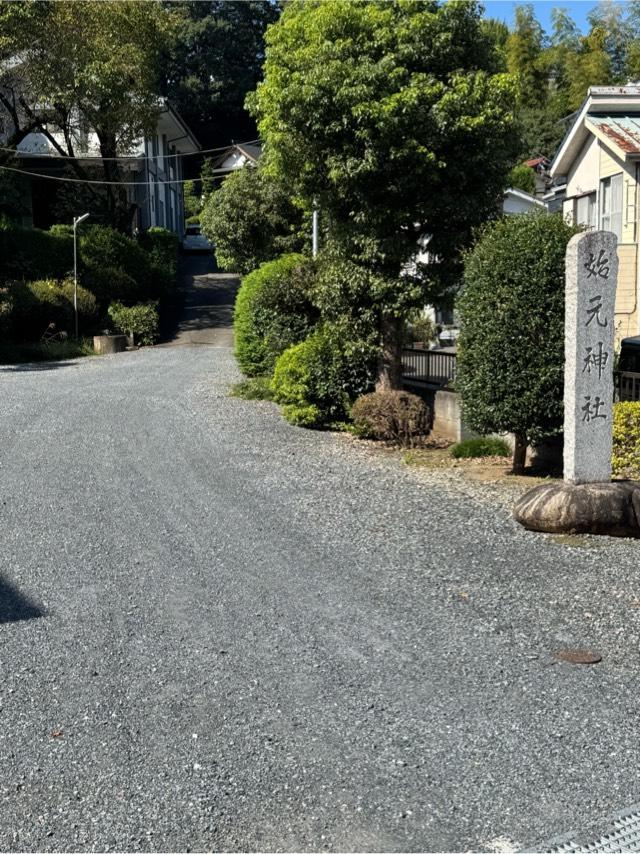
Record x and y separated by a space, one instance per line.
590 297
587 501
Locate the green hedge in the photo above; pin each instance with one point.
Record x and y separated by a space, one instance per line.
162 247
273 311
35 305
111 265
29 253
317 379
625 461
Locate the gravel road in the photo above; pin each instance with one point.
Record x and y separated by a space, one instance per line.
222 632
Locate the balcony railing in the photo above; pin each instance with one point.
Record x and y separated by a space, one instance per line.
429 366
627 385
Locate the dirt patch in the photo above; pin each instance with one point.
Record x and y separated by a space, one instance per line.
483 469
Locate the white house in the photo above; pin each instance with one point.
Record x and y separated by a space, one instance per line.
239 155
599 161
155 164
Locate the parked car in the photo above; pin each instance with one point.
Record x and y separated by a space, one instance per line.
194 240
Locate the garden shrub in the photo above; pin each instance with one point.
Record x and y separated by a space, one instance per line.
251 219
109 283
102 248
395 416
141 321
481 446
35 305
162 247
273 311
317 379
511 345
29 253
625 461
422 330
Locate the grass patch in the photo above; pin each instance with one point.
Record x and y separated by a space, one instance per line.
483 446
256 388
51 351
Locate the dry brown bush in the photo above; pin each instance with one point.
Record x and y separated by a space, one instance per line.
395 416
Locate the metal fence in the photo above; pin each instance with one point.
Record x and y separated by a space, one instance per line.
429 366
627 385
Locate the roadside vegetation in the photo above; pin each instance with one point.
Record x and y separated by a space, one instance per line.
123 284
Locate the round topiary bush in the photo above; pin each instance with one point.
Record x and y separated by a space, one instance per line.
273 311
317 379
395 416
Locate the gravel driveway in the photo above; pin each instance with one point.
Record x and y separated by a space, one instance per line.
218 631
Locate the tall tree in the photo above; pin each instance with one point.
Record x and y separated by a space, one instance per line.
83 66
214 57
390 117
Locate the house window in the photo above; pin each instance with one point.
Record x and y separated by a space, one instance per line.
584 211
611 205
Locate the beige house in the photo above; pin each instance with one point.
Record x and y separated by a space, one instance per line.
600 158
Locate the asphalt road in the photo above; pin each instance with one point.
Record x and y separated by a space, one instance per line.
221 632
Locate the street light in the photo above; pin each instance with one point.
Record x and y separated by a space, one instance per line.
76 222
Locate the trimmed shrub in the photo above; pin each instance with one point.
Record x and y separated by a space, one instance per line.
511 347
35 305
625 460
251 219
109 283
162 247
317 379
141 321
102 248
395 416
29 253
273 311
482 446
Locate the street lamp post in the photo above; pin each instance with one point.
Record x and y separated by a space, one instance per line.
76 222
314 230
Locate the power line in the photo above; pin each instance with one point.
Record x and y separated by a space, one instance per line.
220 173
54 156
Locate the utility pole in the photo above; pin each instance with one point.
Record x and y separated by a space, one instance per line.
314 230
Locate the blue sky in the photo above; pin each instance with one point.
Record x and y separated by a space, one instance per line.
578 9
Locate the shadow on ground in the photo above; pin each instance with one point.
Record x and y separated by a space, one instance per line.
15 606
204 312
36 366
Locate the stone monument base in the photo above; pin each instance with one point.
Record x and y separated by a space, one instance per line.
586 508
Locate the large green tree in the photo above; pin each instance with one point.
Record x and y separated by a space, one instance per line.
75 66
389 117
212 59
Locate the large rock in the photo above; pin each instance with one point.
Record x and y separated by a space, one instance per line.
586 508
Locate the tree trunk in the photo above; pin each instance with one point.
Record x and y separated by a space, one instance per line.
390 360
119 208
519 454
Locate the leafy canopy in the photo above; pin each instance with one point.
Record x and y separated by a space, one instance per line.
390 116
251 219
